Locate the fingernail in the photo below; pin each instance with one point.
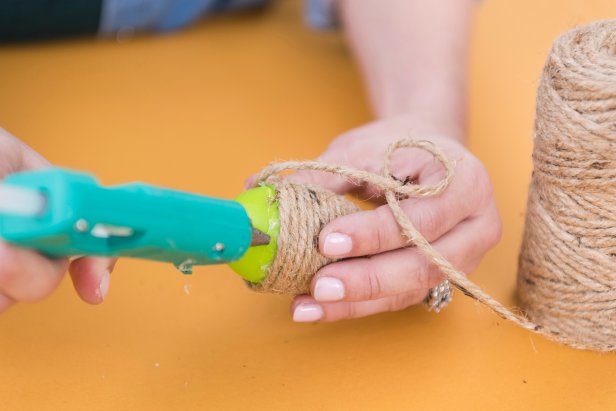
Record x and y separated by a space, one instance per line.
103 287
307 312
337 244
328 289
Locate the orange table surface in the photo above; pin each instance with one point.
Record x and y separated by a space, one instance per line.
202 109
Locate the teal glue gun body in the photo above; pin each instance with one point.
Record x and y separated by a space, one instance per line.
81 217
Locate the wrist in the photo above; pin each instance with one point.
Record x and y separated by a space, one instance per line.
436 96
424 119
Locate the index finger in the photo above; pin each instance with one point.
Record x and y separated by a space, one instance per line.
377 231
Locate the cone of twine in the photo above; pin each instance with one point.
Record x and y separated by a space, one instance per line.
567 265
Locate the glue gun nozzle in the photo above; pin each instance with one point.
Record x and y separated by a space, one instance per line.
259 238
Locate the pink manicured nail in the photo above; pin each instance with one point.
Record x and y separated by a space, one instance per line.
328 289
103 287
307 312
337 244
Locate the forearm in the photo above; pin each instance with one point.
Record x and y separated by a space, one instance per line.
414 57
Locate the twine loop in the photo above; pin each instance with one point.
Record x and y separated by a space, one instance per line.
387 182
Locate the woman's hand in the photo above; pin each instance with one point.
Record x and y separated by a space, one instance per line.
380 272
26 275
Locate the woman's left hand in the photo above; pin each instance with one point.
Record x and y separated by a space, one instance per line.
379 271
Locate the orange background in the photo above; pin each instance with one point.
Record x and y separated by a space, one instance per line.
202 109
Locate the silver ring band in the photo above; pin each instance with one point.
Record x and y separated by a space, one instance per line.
439 297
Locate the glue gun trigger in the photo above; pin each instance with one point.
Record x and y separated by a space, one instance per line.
259 238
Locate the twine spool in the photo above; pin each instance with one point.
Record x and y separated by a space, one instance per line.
567 266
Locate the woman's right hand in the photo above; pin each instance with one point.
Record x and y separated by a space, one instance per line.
28 276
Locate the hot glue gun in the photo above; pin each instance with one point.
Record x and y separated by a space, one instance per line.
63 213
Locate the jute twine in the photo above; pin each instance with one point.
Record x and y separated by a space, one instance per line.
567 267
300 218
303 211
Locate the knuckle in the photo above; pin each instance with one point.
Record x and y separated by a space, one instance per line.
379 237
340 312
481 182
28 283
494 232
40 291
386 233
349 312
427 222
373 288
401 301
424 273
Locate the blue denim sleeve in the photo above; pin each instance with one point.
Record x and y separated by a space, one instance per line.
162 15
321 14
166 15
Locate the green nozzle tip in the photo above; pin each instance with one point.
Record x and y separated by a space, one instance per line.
262 209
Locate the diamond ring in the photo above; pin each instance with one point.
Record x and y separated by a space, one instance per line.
439 297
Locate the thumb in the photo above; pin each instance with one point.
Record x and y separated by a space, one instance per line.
33 160
17 156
